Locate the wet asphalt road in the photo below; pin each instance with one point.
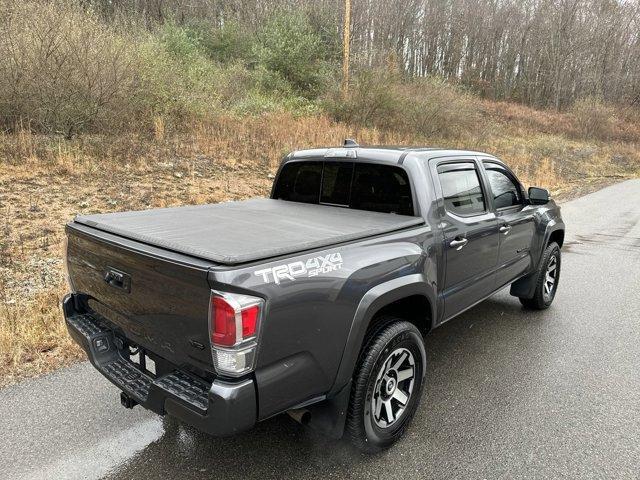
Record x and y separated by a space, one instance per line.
510 393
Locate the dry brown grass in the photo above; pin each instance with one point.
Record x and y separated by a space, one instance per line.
588 120
45 180
424 106
33 338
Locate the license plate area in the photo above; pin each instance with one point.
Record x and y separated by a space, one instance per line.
141 360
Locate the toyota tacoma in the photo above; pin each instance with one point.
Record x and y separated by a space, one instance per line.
315 301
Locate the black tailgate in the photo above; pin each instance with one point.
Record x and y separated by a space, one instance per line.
158 299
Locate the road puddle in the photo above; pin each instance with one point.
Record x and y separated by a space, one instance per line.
109 454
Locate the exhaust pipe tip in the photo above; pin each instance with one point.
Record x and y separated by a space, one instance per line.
300 415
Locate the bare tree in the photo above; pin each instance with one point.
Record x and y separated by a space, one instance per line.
541 52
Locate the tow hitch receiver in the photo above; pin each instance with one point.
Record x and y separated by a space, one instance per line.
127 401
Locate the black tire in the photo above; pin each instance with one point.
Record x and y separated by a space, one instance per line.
541 299
385 346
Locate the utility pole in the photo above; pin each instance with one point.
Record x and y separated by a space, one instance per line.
346 40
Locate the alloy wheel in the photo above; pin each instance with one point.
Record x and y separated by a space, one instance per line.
393 388
550 278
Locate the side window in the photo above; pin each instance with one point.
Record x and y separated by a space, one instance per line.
505 191
461 188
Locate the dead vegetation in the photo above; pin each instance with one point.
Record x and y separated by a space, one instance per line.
105 107
45 180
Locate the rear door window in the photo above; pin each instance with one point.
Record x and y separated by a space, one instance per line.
461 188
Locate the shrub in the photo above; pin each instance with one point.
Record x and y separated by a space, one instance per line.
178 80
593 118
229 43
289 46
183 44
62 70
66 71
429 107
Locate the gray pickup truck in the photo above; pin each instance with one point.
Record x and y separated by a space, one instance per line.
313 302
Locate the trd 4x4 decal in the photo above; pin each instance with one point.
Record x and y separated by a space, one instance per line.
311 268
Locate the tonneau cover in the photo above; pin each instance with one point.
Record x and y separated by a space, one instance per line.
238 232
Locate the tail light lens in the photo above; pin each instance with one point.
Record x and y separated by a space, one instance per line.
234 323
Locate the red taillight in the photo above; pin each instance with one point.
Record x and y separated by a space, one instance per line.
250 321
223 316
234 318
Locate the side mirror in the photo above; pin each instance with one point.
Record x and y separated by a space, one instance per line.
538 196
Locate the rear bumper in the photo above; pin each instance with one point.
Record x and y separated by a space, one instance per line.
218 408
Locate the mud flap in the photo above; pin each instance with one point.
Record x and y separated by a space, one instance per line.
525 287
329 417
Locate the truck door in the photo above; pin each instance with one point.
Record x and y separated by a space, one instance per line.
470 234
515 222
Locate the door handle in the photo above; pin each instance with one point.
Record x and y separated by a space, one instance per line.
505 229
458 244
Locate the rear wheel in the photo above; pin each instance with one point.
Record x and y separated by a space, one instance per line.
387 386
547 280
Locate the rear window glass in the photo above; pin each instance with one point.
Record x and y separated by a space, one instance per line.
362 186
300 184
336 183
381 188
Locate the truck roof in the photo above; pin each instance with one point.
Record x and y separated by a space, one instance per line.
386 154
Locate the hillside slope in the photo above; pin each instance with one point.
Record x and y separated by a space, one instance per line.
46 180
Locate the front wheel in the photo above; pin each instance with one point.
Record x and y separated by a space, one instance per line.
547 280
386 387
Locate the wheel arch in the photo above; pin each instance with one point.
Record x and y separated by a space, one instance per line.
403 297
557 236
525 286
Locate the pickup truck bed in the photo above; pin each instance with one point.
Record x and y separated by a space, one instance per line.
246 231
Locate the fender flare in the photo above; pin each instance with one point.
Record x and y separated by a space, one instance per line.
553 226
525 287
373 300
